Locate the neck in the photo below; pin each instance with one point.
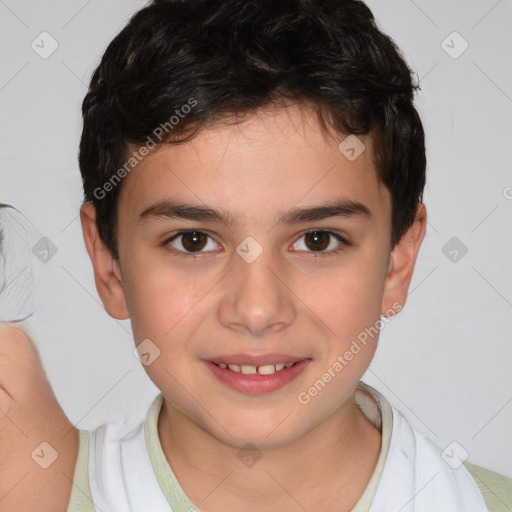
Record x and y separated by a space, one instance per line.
332 462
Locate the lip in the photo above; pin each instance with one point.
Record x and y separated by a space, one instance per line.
257 384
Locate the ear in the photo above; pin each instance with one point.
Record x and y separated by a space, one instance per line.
107 272
401 263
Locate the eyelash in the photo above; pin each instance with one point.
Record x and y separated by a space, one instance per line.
311 254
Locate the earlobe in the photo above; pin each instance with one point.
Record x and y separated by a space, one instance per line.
107 272
401 263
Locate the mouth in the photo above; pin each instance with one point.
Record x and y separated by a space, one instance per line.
265 369
257 375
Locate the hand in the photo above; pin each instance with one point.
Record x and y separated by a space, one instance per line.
29 416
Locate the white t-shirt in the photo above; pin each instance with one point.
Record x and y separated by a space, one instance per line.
123 468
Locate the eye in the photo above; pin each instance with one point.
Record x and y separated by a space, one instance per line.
192 241
319 241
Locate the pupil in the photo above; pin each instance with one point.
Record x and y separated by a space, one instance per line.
318 238
192 241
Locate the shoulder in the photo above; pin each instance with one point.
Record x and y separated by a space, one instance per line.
100 459
495 488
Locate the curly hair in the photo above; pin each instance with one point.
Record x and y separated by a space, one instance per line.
231 57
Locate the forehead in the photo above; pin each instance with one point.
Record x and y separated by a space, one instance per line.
271 159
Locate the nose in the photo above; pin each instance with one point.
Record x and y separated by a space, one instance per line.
256 297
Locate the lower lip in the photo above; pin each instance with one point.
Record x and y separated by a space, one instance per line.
257 384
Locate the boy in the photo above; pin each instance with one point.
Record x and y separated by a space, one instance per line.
253 176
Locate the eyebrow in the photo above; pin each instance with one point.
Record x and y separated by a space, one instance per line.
343 208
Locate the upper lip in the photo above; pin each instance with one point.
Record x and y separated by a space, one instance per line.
256 359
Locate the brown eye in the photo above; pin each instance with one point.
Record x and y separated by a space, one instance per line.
323 242
192 241
317 240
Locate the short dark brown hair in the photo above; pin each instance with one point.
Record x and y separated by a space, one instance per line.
232 57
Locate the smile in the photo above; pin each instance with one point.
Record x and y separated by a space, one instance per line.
256 379
247 369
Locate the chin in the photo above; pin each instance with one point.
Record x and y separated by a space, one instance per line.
264 436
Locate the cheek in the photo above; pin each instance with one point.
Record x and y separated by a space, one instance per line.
162 302
348 298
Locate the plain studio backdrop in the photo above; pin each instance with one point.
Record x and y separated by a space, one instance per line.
445 361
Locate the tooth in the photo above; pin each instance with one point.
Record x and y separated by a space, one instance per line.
247 369
267 369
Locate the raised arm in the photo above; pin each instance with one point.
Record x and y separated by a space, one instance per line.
38 444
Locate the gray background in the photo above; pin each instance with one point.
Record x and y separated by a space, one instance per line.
444 361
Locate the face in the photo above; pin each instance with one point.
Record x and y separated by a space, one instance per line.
280 253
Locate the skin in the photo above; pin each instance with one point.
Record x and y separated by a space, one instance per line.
291 299
29 416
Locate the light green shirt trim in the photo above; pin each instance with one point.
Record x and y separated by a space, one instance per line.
386 425
496 488
81 500
170 486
